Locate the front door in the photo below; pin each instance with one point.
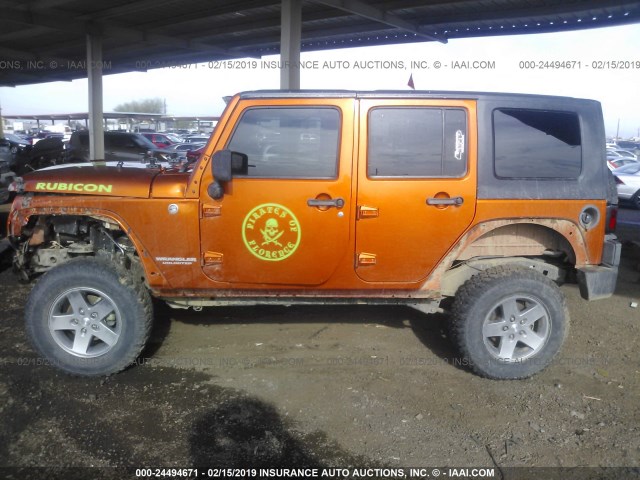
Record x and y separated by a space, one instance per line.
416 185
287 222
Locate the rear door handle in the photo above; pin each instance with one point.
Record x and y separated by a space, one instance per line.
445 201
334 202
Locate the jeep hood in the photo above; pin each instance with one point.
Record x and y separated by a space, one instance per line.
93 179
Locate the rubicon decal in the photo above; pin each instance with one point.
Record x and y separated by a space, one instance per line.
74 187
271 232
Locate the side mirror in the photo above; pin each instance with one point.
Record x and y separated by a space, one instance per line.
224 165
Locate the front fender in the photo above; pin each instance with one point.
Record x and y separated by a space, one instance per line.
26 208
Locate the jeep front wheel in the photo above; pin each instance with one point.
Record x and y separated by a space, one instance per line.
509 322
88 318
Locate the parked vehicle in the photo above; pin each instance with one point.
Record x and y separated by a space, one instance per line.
5 151
182 149
617 162
118 146
622 153
45 134
64 130
196 139
160 140
48 151
628 183
193 155
182 132
629 145
424 199
17 144
6 174
175 138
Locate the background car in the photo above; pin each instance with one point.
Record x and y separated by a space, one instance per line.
19 148
118 146
628 145
619 152
196 139
160 140
193 155
182 149
6 175
44 134
617 162
628 183
174 137
17 144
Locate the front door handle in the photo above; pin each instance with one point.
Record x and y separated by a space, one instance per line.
334 202
445 201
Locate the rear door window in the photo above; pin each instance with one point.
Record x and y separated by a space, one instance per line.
417 142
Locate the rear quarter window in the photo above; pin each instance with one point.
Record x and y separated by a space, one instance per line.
537 144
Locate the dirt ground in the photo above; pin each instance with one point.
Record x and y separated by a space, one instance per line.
327 387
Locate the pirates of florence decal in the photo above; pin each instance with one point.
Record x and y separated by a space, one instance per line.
271 232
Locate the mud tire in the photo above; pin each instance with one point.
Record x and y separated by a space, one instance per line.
60 295
480 307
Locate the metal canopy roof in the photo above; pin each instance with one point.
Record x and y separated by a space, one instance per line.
133 115
45 40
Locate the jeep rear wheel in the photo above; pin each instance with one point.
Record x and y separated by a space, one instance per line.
509 322
88 318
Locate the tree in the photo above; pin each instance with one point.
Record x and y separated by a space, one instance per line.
148 105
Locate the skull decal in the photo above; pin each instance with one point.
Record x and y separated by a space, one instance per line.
270 232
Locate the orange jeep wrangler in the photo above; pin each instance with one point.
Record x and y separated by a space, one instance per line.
333 197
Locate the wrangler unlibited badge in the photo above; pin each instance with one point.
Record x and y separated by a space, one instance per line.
271 232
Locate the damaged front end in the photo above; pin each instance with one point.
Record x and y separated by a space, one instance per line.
48 241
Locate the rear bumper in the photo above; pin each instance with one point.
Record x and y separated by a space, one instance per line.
599 281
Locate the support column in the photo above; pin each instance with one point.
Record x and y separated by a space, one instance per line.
94 72
290 39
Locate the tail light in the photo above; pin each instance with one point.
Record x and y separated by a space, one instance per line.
612 218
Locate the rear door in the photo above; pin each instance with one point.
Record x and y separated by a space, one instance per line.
287 222
416 185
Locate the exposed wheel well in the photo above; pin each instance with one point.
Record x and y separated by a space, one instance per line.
51 240
529 245
520 239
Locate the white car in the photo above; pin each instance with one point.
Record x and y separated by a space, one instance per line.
619 152
617 162
628 183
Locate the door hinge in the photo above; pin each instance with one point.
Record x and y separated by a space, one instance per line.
211 211
212 258
366 259
367 212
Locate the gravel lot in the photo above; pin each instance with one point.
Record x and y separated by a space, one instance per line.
328 387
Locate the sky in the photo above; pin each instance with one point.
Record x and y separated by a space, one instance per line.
605 66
